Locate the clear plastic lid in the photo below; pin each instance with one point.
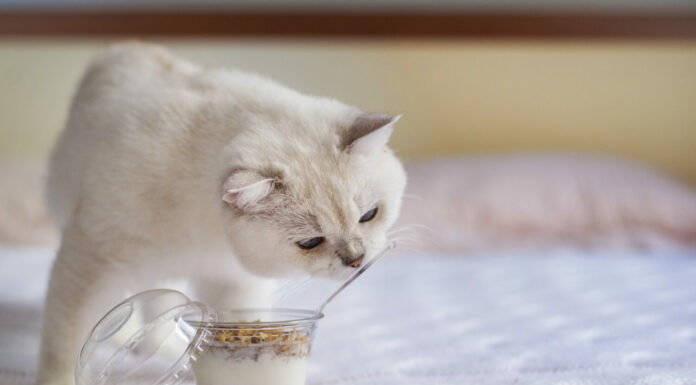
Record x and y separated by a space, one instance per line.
150 338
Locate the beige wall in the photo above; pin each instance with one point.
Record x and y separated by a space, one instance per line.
635 99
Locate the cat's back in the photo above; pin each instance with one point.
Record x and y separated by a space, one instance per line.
130 83
133 105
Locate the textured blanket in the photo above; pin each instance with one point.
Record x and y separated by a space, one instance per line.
563 317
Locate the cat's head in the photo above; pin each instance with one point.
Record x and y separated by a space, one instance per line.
319 203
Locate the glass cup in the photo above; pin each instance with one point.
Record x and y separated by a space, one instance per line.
256 347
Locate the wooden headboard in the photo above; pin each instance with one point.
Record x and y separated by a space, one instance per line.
425 23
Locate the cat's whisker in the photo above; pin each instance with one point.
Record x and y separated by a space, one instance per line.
413 226
410 249
404 235
404 241
411 232
398 231
413 196
289 288
410 225
411 236
292 284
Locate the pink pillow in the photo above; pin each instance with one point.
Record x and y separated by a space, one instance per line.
533 201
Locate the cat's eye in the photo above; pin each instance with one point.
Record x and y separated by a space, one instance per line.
368 216
310 243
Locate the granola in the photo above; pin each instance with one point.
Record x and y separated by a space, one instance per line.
250 342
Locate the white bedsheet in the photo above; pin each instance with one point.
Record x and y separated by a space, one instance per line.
564 317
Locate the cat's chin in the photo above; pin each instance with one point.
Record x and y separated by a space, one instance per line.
276 272
335 273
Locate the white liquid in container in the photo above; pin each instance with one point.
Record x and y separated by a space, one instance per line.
216 368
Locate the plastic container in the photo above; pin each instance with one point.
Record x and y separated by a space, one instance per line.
158 336
257 347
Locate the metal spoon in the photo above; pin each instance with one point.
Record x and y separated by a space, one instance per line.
355 275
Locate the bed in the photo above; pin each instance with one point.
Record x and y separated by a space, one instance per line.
562 316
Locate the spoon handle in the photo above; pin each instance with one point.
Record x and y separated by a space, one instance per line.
355 275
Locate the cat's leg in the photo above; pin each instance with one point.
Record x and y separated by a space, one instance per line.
234 293
77 274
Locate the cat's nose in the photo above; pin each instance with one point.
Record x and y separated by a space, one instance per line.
356 262
351 252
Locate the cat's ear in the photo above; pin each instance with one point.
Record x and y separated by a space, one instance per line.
244 189
368 133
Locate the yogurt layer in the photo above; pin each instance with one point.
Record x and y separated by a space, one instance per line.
215 367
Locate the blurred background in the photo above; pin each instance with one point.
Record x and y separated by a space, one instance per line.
612 77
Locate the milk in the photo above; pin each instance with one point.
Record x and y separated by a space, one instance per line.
215 367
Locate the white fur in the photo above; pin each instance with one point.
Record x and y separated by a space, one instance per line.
170 171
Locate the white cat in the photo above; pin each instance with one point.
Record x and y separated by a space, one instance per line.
167 170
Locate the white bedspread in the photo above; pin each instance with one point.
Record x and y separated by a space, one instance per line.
565 317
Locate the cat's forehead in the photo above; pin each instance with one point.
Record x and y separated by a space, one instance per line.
330 192
330 198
